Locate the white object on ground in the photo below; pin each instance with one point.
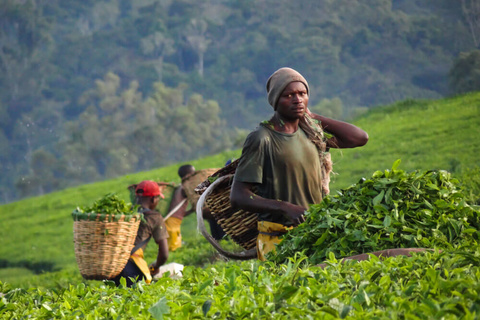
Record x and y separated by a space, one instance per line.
174 268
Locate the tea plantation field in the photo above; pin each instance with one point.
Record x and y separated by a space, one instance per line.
39 277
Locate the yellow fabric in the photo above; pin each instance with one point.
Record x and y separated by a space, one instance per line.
174 235
139 260
265 242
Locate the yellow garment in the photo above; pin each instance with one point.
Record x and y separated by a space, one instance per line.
174 235
269 236
139 260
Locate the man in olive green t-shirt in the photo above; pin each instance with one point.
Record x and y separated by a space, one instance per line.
282 164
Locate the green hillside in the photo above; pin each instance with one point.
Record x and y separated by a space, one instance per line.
36 234
439 134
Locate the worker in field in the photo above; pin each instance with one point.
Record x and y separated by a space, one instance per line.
179 201
148 195
180 204
286 159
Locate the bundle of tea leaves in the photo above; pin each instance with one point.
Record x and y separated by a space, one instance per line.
392 209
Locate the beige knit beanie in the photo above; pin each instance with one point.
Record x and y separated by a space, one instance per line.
279 80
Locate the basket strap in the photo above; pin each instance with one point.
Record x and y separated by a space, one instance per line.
175 209
138 246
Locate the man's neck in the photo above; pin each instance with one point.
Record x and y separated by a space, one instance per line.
146 207
284 125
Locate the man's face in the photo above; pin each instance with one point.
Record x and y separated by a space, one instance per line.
293 101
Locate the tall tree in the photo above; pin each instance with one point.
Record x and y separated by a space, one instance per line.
471 11
157 46
196 35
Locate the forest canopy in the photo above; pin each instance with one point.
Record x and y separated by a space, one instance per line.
96 89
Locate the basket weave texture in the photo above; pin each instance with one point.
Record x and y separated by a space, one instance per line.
191 181
102 248
240 225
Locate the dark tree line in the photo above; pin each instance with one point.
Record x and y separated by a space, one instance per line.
94 89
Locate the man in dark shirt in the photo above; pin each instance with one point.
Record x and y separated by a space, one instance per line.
284 162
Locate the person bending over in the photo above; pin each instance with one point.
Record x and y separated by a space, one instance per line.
152 226
173 223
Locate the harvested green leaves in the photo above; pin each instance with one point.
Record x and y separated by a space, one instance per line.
212 179
392 209
268 123
108 208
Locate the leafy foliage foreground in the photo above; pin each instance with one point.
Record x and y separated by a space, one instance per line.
392 209
425 286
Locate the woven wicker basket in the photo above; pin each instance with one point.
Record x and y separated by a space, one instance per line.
191 181
240 225
102 247
225 171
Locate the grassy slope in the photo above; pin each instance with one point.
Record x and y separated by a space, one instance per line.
36 233
441 134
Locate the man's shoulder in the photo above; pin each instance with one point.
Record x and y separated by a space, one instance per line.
152 215
155 219
153 212
147 211
261 132
257 140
